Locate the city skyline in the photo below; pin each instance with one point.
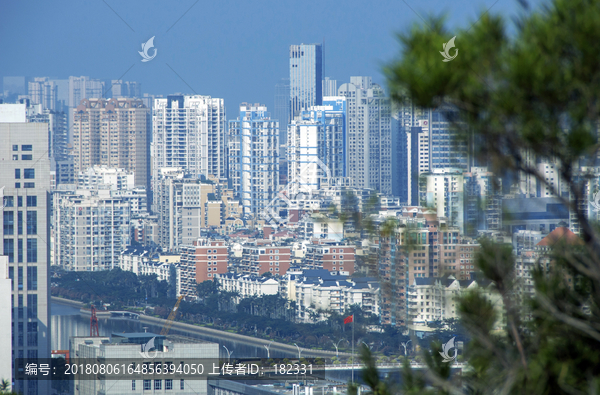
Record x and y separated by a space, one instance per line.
181 64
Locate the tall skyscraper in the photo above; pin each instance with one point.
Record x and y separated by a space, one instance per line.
318 134
425 140
306 77
281 110
189 132
25 180
254 157
113 133
369 134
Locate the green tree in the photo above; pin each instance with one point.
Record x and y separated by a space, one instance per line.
534 94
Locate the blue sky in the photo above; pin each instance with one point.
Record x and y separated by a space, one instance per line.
236 50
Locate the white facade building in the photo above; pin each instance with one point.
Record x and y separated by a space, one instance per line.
318 290
189 132
6 325
126 347
254 157
25 181
443 190
369 129
248 285
90 230
143 263
105 178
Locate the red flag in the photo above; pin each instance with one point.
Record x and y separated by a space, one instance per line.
349 319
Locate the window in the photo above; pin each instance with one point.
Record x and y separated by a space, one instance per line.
11 275
31 250
31 278
20 201
147 385
8 201
133 385
15 157
31 201
29 185
157 384
29 174
20 251
20 278
17 174
15 147
9 249
32 307
20 222
26 157
27 147
20 306
8 222
31 222
168 384
17 185
181 384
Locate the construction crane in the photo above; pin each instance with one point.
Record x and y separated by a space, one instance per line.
94 323
171 319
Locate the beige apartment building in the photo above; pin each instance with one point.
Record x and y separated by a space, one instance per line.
113 133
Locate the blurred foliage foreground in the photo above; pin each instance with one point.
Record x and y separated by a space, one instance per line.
534 93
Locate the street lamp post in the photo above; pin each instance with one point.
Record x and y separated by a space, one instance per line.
267 347
228 353
336 347
299 351
405 344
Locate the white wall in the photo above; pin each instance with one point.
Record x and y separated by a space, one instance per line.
5 324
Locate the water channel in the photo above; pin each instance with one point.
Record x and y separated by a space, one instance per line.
66 322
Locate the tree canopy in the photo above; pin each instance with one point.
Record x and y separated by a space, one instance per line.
534 94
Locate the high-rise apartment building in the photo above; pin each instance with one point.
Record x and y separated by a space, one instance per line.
61 161
84 88
444 191
281 109
91 229
317 138
181 203
25 180
120 88
189 132
254 157
112 133
306 77
424 140
44 92
369 133
329 87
